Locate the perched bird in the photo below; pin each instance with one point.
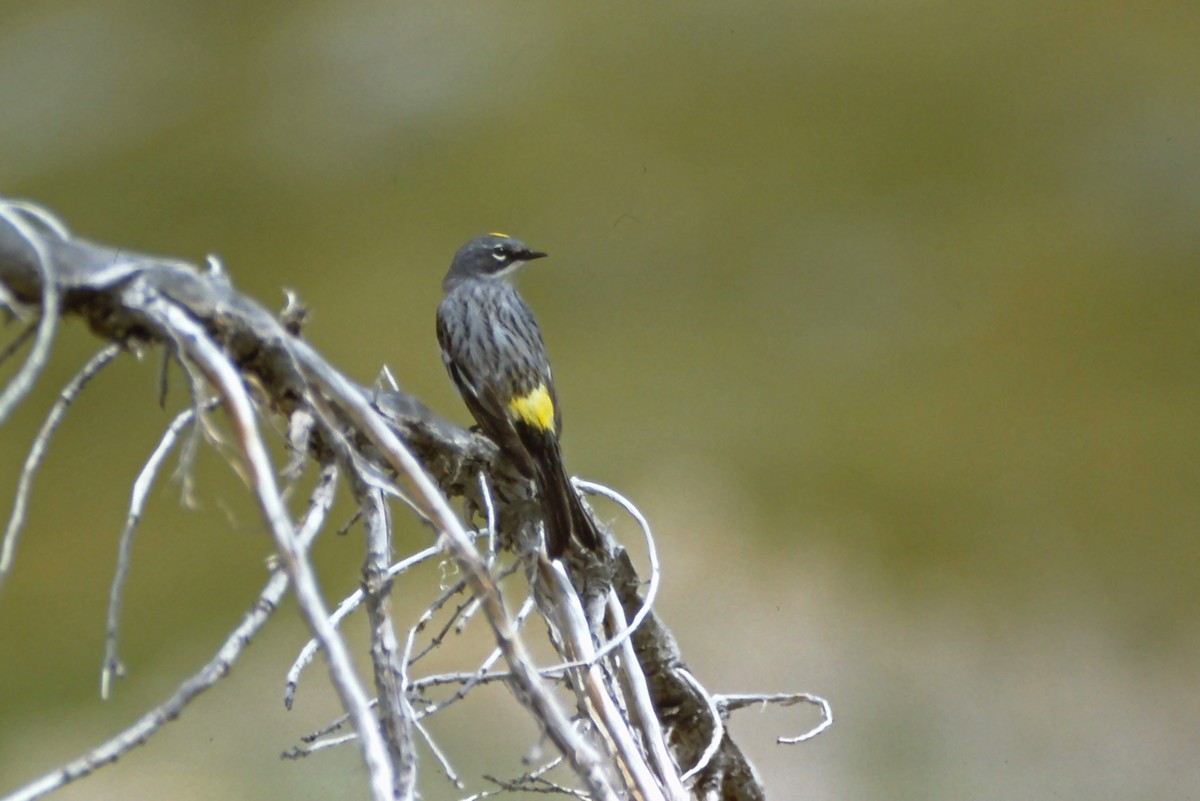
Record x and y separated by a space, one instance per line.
493 350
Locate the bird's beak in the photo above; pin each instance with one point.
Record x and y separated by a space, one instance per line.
530 255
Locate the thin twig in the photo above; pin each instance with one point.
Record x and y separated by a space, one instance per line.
718 725
485 491
481 673
37 451
438 754
348 605
730 703
310 748
112 666
532 782
19 340
618 638
427 617
458 618
153 720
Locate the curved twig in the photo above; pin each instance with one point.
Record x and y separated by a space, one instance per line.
112 666
37 451
730 703
718 726
20 384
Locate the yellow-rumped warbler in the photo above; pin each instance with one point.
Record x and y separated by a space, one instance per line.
493 350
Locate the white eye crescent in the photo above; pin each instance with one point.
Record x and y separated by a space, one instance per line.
498 253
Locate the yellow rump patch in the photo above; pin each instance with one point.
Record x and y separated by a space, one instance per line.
536 408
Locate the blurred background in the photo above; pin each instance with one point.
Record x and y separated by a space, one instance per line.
884 313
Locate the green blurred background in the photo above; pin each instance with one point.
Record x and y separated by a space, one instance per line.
885 313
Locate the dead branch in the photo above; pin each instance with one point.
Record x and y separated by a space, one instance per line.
642 727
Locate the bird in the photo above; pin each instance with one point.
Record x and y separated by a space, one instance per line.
493 350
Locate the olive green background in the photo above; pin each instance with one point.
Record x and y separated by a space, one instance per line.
886 314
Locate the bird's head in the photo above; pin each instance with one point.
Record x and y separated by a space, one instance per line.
490 256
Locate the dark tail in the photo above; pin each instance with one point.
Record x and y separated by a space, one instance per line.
563 510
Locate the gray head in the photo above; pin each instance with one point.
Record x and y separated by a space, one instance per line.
493 256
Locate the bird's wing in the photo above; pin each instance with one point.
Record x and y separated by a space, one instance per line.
490 410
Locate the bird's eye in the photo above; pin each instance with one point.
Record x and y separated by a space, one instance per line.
499 254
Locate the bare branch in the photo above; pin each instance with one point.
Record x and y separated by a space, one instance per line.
112 666
715 720
632 693
37 452
217 369
729 703
395 713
